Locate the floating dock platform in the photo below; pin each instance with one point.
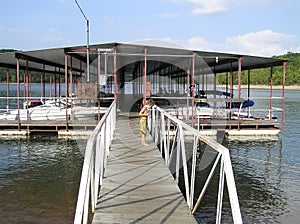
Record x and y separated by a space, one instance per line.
63 128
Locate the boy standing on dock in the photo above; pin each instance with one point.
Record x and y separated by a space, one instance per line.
143 121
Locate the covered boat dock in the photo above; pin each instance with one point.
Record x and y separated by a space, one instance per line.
179 80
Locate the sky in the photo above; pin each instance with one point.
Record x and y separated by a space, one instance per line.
253 27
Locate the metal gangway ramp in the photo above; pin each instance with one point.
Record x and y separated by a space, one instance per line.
124 181
137 186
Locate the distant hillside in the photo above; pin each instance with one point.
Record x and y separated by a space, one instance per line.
262 76
7 50
293 68
258 76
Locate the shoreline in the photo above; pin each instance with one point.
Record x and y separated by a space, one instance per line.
277 87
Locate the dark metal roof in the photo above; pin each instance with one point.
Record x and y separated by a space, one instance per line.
53 60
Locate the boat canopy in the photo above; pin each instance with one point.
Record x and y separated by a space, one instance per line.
158 57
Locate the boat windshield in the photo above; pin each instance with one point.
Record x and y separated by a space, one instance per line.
60 104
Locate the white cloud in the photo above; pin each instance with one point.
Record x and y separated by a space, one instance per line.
262 43
200 43
265 42
209 6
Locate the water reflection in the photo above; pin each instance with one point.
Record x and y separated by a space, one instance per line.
258 174
39 179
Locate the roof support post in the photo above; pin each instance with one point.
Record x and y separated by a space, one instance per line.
282 99
7 89
26 89
51 83
87 50
99 67
115 73
231 90
99 80
43 83
193 87
60 82
55 82
215 86
239 86
189 89
30 84
66 76
271 93
66 90
239 76
145 77
249 73
71 76
18 92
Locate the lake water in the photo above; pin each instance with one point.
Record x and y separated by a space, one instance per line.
268 172
39 176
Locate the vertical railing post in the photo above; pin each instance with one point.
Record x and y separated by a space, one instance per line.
165 137
86 201
168 141
220 192
162 135
92 182
153 122
185 169
178 153
156 126
234 202
97 166
193 171
102 154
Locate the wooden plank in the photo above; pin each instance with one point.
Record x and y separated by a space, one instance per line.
138 187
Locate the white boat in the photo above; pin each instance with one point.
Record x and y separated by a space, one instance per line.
243 116
54 110
199 112
42 112
206 106
84 113
79 112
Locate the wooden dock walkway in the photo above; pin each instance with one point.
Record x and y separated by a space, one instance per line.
138 187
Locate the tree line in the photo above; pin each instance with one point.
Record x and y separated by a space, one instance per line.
257 76
262 76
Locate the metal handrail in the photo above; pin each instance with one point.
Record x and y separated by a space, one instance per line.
172 143
96 153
